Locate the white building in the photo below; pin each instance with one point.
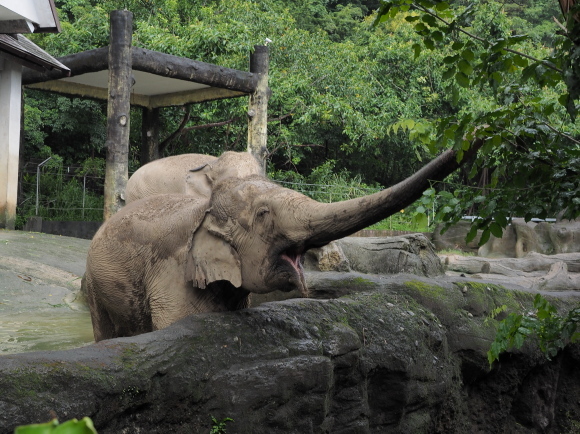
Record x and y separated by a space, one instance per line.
17 53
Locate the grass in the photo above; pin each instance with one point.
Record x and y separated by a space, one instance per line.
455 252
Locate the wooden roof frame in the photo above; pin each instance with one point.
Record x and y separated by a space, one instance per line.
123 63
219 82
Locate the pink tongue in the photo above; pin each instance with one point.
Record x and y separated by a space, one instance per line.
295 261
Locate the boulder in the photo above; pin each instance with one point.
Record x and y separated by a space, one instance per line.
454 238
412 253
403 354
519 238
327 258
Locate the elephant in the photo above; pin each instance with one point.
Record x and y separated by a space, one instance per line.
167 256
189 174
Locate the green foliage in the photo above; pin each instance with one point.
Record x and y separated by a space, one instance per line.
378 101
544 325
64 193
74 426
512 97
219 427
324 184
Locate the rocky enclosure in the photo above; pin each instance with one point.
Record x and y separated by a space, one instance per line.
367 353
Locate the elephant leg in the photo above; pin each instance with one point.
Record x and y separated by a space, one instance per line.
103 327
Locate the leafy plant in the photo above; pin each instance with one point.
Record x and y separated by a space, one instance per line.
544 325
219 427
74 426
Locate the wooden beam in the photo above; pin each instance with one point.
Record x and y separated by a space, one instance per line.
153 62
118 111
258 106
79 63
182 68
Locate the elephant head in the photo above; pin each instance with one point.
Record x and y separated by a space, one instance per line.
190 174
167 256
199 180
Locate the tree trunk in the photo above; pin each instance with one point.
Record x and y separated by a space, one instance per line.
149 135
258 106
118 111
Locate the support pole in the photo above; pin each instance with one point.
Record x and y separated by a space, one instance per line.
258 106
118 111
149 135
10 106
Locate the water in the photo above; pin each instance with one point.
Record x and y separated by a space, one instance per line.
59 329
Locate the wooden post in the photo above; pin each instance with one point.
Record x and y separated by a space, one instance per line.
149 135
118 110
10 106
258 106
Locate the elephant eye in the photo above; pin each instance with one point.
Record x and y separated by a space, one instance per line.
262 212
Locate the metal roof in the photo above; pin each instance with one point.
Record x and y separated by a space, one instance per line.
21 50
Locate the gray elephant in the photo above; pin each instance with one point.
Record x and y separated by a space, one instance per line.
189 174
164 257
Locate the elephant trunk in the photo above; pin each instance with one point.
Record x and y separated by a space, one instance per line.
328 222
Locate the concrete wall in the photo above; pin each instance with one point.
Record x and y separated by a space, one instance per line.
77 229
10 104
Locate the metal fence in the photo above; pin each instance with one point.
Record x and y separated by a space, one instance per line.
59 193
62 193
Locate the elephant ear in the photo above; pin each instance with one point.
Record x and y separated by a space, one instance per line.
198 182
211 259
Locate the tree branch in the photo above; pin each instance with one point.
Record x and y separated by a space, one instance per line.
177 132
211 125
477 38
560 133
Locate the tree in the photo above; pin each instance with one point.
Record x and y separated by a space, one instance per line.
531 153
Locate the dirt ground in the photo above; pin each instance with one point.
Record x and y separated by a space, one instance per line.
40 276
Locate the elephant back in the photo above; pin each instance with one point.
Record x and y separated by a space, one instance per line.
166 175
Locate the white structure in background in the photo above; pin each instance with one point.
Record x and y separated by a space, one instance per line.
16 53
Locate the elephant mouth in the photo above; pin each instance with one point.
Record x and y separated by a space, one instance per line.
292 259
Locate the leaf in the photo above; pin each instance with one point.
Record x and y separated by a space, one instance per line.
457 45
429 43
471 234
520 61
465 67
417 49
468 55
495 229
421 220
450 59
462 79
484 236
419 27
448 73
437 35
411 18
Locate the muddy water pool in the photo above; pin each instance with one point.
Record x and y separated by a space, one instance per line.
38 331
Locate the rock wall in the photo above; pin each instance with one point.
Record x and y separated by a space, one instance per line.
412 253
400 354
518 239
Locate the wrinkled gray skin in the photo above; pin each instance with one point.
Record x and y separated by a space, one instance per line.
190 174
164 257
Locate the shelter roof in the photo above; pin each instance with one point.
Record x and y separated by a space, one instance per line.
25 52
28 16
158 80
